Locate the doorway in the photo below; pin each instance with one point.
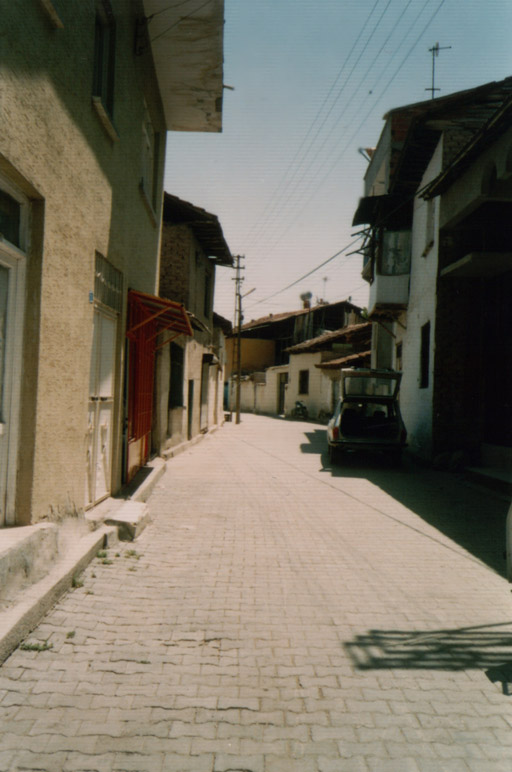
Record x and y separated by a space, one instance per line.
283 382
101 407
13 226
190 409
11 325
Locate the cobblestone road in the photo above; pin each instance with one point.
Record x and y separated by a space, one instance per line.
278 615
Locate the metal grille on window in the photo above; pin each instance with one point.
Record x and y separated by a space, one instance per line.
108 284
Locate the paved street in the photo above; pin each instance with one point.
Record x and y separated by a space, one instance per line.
278 616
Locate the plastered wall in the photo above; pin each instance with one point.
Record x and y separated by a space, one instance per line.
85 191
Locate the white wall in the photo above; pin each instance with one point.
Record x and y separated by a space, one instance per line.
320 389
416 402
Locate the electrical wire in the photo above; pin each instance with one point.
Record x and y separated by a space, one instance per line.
309 273
291 166
333 164
289 201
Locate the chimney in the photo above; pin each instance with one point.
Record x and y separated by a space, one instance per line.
306 299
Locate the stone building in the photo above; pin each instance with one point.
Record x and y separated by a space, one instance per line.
190 371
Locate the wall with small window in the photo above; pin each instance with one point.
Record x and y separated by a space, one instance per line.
308 384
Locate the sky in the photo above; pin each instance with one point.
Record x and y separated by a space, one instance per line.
312 80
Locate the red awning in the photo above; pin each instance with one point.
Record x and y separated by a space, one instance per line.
163 314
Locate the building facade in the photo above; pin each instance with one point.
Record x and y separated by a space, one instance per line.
190 370
86 103
437 256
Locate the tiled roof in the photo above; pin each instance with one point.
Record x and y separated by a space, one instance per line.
320 342
273 318
363 357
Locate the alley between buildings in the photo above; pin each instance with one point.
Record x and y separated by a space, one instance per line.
278 615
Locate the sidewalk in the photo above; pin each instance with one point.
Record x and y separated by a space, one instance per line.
278 615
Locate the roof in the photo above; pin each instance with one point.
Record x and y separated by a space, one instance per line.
334 364
273 318
204 225
224 324
323 341
419 125
498 123
187 44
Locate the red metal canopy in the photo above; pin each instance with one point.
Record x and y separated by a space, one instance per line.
162 314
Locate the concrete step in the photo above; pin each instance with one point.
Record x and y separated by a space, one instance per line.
32 602
25 555
130 519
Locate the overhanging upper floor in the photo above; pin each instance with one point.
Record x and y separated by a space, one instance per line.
187 43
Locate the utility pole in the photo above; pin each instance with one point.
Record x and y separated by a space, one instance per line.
238 326
435 52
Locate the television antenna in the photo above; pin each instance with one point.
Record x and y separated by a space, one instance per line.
435 52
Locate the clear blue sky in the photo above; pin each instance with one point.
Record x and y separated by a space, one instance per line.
312 80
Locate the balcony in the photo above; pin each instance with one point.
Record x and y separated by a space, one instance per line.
389 295
389 290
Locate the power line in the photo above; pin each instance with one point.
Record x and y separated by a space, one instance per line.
288 200
333 164
309 273
291 165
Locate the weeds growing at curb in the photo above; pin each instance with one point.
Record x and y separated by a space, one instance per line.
77 582
44 646
132 554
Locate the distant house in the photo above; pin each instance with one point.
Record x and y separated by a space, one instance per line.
265 341
314 372
438 256
89 92
267 362
190 370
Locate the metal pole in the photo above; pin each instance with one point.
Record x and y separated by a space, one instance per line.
239 345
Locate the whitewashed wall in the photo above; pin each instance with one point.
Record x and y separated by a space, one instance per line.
319 398
416 402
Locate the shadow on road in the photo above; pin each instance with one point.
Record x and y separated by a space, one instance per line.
458 649
470 516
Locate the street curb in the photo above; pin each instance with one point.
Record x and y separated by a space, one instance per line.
143 492
34 602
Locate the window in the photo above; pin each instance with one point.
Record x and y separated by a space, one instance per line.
104 56
396 253
398 357
429 226
425 355
149 160
176 382
108 284
10 218
303 381
207 294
